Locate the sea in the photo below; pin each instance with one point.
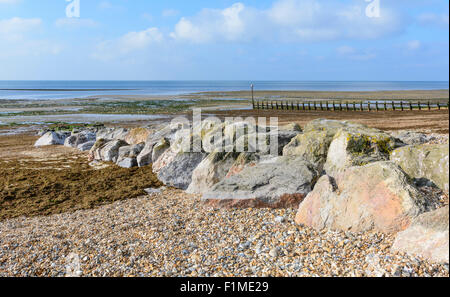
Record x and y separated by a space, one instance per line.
50 90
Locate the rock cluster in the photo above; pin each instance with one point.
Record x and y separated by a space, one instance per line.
341 176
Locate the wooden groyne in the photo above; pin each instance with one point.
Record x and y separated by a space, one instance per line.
348 106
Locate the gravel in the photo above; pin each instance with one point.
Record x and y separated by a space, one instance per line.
172 234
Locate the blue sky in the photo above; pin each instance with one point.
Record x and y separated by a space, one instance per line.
224 40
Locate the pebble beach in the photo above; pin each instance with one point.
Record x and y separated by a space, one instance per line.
170 233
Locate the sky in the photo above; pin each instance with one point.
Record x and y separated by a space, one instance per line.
302 40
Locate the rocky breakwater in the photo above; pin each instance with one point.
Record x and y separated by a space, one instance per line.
341 176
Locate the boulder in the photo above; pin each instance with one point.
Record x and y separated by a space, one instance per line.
425 162
242 161
427 237
109 151
376 196
94 152
210 171
276 182
137 136
160 148
178 173
412 138
312 146
356 147
331 126
84 147
112 134
261 142
77 139
165 159
128 154
291 127
52 138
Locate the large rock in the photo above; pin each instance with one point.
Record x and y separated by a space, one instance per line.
377 196
412 138
277 182
52 138
137 136
161 139
128 154
94 152
331 126
109 151
312 146
178 173
112 134
210 171
84 147
77 139
357 147
261 142
425 162
427 237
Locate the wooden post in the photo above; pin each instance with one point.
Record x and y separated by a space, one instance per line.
346 105
315 106
401 105
393 105
410 105
334 106
361 107
276 103
376 105
368 104
420 106
321 106
439 106
385 105
328 107
429 106
253 97
354 106
303 105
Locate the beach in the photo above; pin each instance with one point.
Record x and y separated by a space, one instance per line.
57 211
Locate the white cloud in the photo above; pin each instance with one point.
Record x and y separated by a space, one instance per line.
130 42
288 20
15 28
170 13
212 24
15 38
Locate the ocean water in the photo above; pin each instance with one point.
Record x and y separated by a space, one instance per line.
42 90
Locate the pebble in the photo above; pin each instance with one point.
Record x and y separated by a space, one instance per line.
173 234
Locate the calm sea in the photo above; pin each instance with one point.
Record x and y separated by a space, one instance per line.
82 89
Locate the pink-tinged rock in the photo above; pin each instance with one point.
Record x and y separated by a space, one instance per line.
165 159
378 196
427 237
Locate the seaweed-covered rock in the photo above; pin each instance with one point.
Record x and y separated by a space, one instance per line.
357 147
377 196
425 162
427 237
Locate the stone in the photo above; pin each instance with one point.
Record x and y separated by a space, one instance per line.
52 138
178 173
165 159
127 157
109 152
277 182
412 138
77 139
210 171
112 134
137 136
243 160
427 237
160 148
429 162
312 146
331 126
378 196
94 152
356 147
261 142
84 147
